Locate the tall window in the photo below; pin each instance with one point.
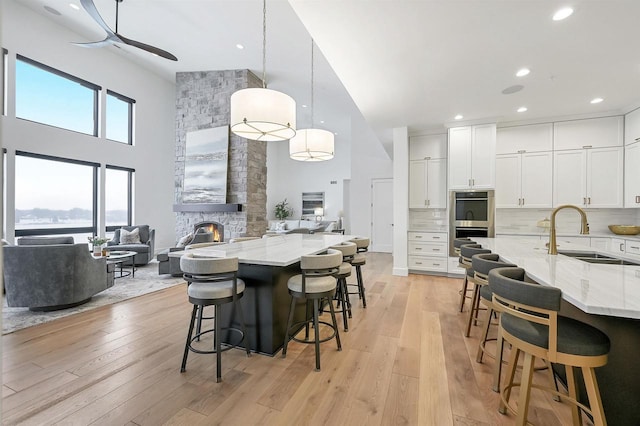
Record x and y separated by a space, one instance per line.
118 197
119 121
55 196
49 96
5 79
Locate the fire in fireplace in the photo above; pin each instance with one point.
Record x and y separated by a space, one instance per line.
214 227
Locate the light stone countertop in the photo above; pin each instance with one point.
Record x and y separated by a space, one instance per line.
612 290
280 250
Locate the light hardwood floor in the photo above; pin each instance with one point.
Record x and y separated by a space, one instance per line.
404 361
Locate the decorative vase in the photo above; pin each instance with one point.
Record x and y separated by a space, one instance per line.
97 251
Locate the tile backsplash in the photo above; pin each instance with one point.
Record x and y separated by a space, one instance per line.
428 219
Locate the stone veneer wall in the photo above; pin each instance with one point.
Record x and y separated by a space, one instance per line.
202 102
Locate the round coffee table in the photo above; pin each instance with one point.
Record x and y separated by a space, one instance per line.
120 257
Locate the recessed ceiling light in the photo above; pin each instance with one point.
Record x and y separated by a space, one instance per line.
522 109
522 72
74 6
458 117
596 100
321 121
304 106
239 46
563 13
335 133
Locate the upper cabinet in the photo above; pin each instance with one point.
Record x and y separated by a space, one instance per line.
589 133
472 156
632 175
428 146
632 127
588 177
519 139
428 172
524 180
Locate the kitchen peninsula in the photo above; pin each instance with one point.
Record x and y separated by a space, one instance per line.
605 296
265 266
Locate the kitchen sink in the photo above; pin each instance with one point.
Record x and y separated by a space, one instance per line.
593 257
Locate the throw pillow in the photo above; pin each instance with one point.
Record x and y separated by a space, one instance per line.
130 237
184 241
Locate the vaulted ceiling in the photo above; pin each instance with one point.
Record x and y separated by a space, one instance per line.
400 63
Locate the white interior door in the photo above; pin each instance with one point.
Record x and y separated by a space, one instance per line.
382 215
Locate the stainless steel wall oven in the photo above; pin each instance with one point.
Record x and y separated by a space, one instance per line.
472 215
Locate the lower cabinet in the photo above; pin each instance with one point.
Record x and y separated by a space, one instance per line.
428 251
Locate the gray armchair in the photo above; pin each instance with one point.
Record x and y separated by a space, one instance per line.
144 250
45 277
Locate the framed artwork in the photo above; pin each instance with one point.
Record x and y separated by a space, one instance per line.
205 168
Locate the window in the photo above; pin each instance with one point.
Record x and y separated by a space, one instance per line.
118 197
119 119
49 96
55 196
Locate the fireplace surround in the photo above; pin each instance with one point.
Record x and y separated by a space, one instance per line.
216 228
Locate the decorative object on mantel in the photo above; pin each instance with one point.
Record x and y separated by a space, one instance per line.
311 144
113 37
283 210
96 244
205 166
259 113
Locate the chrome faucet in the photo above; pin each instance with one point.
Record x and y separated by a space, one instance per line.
553 246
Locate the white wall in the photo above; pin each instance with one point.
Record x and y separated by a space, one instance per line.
29 34
369 161
287 178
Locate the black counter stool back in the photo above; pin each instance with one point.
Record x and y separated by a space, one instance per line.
529 321
459 242
212 281
348 250
466 253
359 260
481 264
317 282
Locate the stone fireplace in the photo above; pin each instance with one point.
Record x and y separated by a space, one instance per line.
202 102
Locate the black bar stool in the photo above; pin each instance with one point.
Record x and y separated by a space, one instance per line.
317 282
212 281
529 321
348 250
466 253
359 260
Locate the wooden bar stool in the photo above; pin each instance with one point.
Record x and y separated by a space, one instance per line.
529 321
359 260
466 252
213 281
316 283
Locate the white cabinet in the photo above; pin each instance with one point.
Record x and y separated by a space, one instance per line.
427 146
632 127
632 175
588 133
601 243
472 151
427 183
531 138
618 245
428 251
524 180
588 177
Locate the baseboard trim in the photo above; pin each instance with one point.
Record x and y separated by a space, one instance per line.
400 272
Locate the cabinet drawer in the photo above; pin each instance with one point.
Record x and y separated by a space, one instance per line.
427 263
428 236
632 247
428 249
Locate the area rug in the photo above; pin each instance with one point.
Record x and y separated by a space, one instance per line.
146 280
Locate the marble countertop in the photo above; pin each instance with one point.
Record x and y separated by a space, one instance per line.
603 234
280 250
612 290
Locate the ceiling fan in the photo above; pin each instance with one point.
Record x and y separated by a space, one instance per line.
114 37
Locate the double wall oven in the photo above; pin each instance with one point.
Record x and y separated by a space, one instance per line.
472 215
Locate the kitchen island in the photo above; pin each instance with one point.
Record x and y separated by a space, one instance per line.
605 296
266 265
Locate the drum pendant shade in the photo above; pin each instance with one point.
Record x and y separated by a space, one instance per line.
263 114
311 145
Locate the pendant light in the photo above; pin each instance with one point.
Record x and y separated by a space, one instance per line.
311 144
259 113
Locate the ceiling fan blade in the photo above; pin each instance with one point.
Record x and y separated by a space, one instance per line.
148 48
93 12
106 42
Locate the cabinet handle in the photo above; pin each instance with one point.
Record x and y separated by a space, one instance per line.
435 249
418 263
522 151
418 248
418 237
584 200
637 139
469 182
587 146
428 202
589 199
637 198
621 246
519 201
436 238
436 264
523 201
425 203
473 182
635 247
